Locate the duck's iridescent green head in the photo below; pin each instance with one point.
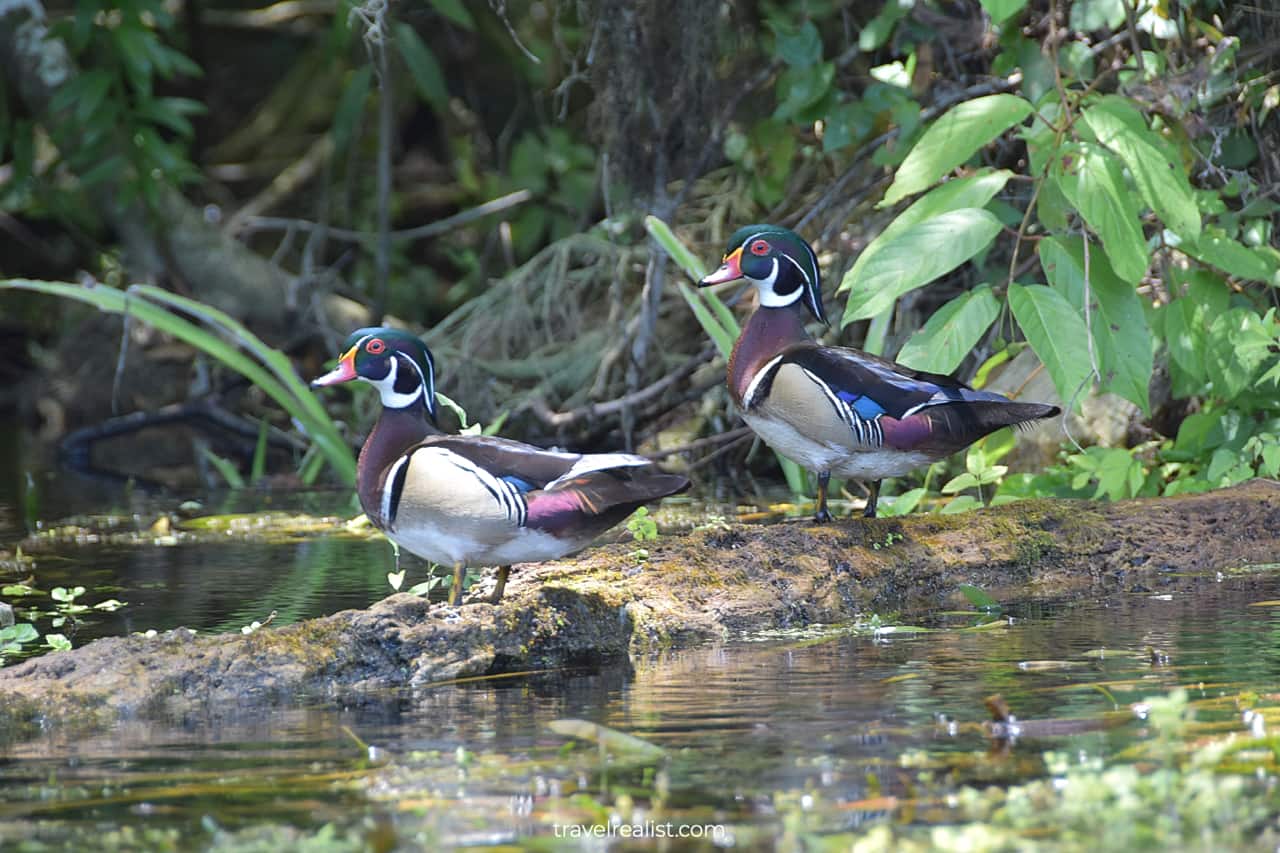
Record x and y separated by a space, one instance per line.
780 264
397 363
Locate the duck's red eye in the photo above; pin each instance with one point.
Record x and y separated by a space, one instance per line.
375 347
760 247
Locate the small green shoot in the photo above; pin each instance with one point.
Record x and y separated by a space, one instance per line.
57 642
891 537
642 526
979 598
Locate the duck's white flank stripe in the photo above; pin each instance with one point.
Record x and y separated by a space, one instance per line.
748 398
388 487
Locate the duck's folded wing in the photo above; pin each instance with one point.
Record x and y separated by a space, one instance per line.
874 386
525 466
531 468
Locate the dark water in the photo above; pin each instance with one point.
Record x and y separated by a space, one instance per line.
780 740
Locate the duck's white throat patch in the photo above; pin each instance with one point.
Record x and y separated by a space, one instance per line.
769 298
391 398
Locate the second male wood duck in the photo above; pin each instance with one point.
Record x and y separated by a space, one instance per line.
464 500
836 410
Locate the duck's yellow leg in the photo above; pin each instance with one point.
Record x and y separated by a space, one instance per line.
455 591
822 515
500 584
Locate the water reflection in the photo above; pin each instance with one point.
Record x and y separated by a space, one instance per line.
751 730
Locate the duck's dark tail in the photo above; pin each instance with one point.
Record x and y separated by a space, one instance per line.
952 426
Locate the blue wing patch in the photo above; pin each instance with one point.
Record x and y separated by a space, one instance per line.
862 404
522 486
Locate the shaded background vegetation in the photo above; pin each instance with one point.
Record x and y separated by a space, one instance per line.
481 172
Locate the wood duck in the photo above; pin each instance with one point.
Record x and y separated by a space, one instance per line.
473 500
836 410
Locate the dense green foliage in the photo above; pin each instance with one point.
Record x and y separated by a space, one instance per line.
1084 179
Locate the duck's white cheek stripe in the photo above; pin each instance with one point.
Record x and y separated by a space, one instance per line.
391 398
768 297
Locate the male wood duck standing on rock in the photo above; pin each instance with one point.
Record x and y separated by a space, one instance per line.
473 500
836 410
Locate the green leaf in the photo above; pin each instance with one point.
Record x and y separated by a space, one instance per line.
269 369
57 642
1218 250
428 79
456 11
800 88
1095 186
915 256
979 598
903 504
233 478
959 483
973 191
1121 334
1002 10
877 31
1087 15
962 503
722 337
351 106
675 247
799 47
1238 344
23 632
1118 125
1056 333
953 139
951 333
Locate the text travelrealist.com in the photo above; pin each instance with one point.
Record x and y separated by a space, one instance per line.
648 829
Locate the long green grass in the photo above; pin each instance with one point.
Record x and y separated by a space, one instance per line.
223 339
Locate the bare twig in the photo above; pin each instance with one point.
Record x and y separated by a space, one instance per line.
499 8
431 229
591 411
701 443
284 185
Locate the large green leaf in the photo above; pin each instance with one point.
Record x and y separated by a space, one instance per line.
1118 125
1121 335
1239 341
1218 250
1095 186
953 139
915 256
1057 334
973 191
951 332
